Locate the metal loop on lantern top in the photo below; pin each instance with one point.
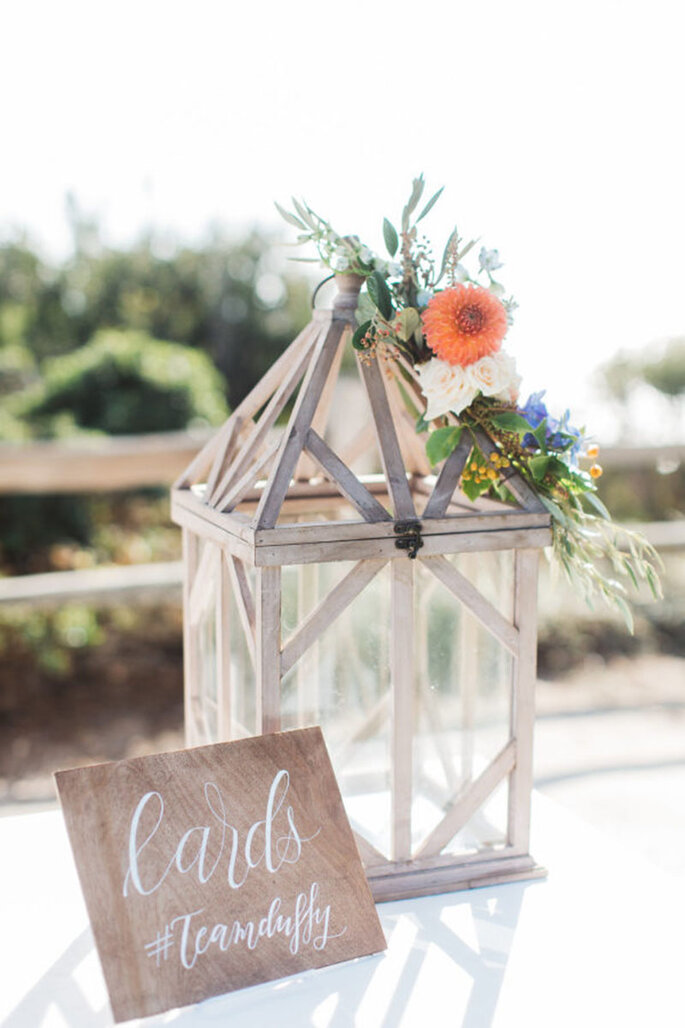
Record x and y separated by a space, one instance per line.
316 291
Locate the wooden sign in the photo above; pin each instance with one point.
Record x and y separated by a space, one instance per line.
211 869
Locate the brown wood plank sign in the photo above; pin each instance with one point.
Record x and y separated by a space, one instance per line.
216 868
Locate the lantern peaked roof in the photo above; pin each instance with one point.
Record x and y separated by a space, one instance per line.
242 478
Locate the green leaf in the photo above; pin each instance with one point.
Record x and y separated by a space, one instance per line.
595 501
539 466
380 294
453 239
474 489
304 214
653 580
624 609
433 200
442 442
290 218
360 332
630 572
540 434
421 425
416 192
469 246
510 421
390 236
555 511
366 308
409 320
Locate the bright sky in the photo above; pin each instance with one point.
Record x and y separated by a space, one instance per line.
556 129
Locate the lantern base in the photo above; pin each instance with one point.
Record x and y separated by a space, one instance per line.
407 881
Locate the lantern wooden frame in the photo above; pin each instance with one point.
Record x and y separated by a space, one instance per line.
229 502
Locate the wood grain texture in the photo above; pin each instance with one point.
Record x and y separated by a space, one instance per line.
211 850
402 679
268 648
244 601
191 545
375 549
393 465
523 696
348 483
247 481
447 480
300 422
250 451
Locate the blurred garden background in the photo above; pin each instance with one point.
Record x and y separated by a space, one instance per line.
121 350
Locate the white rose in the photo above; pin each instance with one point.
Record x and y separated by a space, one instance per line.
494 375
446 388
511 393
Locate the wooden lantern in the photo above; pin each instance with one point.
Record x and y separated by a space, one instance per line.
384 606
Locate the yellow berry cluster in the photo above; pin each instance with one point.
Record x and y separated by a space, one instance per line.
479 472
498 460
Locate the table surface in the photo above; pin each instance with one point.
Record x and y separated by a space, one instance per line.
599 943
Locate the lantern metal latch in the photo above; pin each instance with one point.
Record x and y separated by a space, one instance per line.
408 537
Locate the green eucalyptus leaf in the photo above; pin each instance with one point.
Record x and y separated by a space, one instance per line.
442 442
431 203
366 308
390 236
358 337
409 320
539 466
380 294
510 421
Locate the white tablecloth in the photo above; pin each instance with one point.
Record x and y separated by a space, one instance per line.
599 944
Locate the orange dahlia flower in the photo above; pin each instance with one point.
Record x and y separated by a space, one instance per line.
464 323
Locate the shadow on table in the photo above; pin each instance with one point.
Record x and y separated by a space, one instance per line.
60 990
474 930
441 923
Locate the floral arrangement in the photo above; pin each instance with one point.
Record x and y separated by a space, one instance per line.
446 323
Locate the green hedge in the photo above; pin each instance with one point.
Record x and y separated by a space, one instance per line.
124 382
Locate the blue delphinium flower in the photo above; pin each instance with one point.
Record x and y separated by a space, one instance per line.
535 412
564 426
557 430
